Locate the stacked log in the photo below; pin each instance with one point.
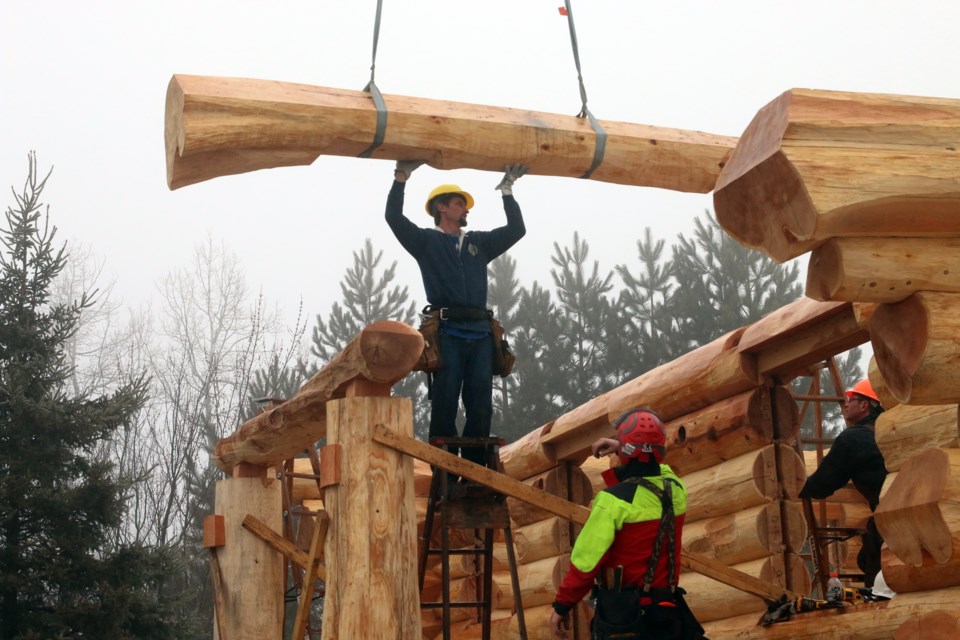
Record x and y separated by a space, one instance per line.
906 430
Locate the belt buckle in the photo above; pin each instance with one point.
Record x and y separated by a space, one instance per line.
443 313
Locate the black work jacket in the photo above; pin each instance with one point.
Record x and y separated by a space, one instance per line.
854 456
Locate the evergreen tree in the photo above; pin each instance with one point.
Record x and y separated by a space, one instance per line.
587 312
59 502
721 285
503 296
370 295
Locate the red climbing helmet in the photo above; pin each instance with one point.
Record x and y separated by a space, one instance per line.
640 431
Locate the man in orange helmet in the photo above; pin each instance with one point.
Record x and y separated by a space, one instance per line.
855 456
631 543
453 265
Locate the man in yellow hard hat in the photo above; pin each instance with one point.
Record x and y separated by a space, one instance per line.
855 456
453 265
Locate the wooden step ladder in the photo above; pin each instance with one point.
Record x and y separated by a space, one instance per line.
469 506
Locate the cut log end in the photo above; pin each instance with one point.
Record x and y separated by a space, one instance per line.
899 334
390 349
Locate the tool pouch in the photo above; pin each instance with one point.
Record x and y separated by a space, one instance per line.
631 614
430 330
503 357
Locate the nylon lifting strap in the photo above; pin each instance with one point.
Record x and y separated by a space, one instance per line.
668 530
372 89
601 144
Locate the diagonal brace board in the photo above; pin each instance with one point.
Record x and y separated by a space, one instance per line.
563 508
224 126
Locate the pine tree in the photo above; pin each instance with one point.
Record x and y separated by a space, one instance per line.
503 296
370 295
59 501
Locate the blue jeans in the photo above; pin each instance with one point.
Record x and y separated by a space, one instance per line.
466 369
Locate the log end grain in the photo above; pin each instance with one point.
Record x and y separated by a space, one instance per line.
899 334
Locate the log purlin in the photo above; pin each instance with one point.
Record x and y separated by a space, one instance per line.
382 353
225 126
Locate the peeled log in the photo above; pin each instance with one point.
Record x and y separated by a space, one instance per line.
882 269
539 582
803 333
929 574
576 488
712 600
746 481
936 625
382 353
917 346
224 126
819 164
873 621
747 535
906 430
887 401
550 537
921 508
525 457
731 427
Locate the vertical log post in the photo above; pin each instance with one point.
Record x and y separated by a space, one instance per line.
252 572
371 549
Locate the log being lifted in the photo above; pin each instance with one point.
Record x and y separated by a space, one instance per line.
819 164
917 346
224 126
381 354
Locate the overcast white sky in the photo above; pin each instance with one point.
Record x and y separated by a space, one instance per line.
84 85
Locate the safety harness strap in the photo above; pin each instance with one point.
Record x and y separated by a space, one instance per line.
668 530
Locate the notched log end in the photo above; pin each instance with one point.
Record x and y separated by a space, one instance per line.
390 350
898 335
173 135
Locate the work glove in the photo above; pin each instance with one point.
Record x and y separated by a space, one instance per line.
406 167
513 172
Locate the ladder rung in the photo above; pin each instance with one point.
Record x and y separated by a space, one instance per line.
438 605
459 552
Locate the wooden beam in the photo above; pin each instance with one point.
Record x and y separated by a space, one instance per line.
558 506
315 572
289 550
383 353
819 164
223 126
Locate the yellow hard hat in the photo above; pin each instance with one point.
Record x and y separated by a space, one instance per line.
450 189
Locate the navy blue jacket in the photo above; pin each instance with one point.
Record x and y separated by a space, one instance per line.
452 279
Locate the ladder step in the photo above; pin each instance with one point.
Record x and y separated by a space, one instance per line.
459 552
461 605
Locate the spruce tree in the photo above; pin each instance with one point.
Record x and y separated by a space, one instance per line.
59 501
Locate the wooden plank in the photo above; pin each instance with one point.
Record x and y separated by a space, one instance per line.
314 572
289 550
558 506
214 534
813 165
223 126
219 604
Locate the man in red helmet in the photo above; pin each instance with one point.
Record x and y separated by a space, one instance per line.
630 544
855 456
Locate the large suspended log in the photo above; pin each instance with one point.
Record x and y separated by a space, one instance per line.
744 482
917 346
936 625
224 126
747 535
872 621
906 430
712 600
731 427
921 509
817 164
882 269
381 354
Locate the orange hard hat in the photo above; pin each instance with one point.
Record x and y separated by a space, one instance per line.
863 388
